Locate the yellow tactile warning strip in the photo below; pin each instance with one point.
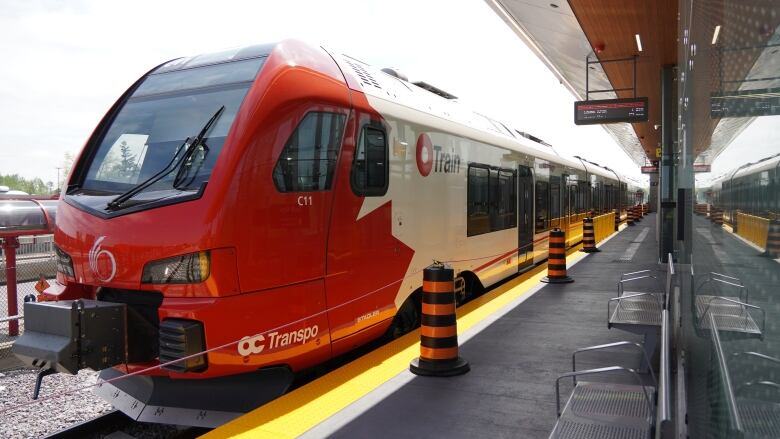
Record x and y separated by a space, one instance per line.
296 412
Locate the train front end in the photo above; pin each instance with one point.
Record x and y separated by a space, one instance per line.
147 288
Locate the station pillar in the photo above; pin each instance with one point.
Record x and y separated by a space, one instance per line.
667 177
652 198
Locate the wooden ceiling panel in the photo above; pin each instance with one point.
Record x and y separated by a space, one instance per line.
611 26
722 67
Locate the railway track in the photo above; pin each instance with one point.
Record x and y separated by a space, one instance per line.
115 425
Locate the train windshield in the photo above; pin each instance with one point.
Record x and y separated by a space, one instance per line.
159 121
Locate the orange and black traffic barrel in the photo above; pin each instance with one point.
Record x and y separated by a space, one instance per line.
717 216
637 214
773 240
617 219
588 236
438 329
556 262
630 221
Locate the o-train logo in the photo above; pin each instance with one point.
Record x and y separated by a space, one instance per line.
101 262
430 157
256 343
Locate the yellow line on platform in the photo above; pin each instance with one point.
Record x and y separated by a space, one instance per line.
298 411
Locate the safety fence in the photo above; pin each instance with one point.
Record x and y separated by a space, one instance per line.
603 226
753 228
34 260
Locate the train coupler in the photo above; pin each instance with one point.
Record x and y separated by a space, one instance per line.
70 335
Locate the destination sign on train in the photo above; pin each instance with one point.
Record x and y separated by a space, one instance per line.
610 111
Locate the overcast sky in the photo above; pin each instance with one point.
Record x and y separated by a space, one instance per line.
64 63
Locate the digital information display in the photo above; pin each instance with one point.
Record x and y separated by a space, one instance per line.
610 111
751 103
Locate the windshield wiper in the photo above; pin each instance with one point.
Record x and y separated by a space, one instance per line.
176 162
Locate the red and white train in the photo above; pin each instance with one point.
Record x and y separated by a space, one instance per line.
288 197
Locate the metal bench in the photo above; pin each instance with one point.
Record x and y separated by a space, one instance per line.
759 415
639 312
635 308
613 410
745 415
733 314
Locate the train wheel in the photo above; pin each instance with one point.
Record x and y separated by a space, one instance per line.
407 318
472 288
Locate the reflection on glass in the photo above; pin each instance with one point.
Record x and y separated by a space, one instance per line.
729 71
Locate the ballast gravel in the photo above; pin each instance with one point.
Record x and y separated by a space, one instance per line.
58 406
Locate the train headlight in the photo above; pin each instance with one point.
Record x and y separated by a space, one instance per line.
64 262
185 269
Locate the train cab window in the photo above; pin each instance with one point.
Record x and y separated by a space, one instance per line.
370 167
308 160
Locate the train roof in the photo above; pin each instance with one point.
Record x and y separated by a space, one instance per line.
450 115
764 164
390 86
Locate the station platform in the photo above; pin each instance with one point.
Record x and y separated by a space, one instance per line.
518 338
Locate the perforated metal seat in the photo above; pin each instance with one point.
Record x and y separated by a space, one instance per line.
606 410
731 316
636 309
760 419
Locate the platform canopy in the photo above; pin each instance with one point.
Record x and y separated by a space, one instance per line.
564 34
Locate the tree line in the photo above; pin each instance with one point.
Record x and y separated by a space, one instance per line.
36 186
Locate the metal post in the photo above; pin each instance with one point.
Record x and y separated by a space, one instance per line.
587 77
9 247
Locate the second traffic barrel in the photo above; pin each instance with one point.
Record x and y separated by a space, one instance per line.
773 240
630 219
438 328
556 262
588 236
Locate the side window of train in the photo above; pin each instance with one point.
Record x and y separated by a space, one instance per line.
370 170
478 200
308 160
542 206
555 201
491 199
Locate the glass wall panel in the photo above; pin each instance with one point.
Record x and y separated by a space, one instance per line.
728 82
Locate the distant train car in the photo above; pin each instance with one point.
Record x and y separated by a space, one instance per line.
287 198
753 188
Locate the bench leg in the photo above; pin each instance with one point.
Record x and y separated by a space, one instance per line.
651 341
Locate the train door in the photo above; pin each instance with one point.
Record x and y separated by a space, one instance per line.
364 260
568 208
525 223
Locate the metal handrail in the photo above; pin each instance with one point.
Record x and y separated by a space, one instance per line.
619 299
743 305
612 345
624 281
765 383
664 412
600 371
712 274
719 277
758 355
730 399
622 276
